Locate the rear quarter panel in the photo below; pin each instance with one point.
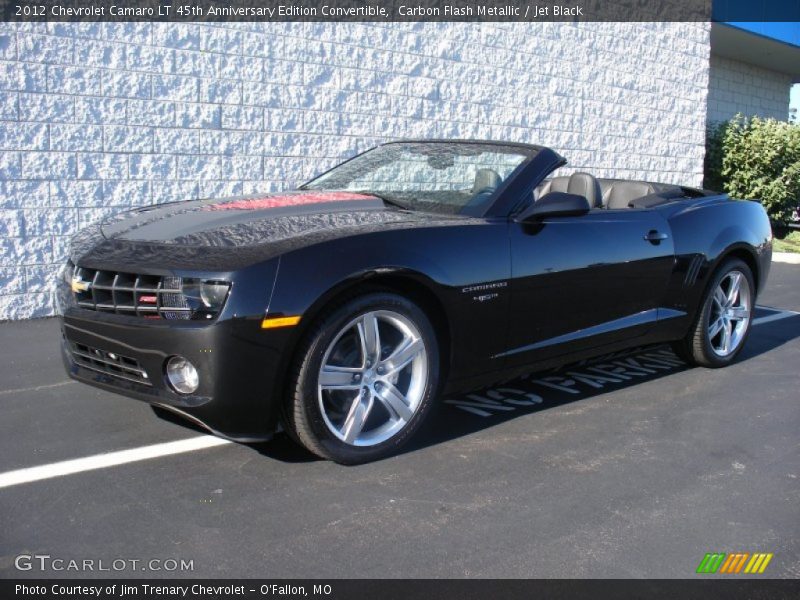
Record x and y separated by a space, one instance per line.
707 231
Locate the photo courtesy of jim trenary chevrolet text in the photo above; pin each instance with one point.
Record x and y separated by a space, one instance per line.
399 299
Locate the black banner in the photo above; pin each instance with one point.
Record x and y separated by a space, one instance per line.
375 10
399 10
393 589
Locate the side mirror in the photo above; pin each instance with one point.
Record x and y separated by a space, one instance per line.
555 204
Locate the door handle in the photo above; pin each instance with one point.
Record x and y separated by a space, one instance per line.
655 236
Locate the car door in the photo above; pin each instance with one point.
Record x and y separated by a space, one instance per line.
580 282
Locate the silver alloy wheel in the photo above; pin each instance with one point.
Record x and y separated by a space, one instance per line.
729 316
373 378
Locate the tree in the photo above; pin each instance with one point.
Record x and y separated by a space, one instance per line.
756 158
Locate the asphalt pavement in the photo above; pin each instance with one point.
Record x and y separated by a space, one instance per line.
631 466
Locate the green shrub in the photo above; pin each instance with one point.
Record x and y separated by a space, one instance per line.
756 158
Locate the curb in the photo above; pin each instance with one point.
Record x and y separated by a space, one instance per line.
792 258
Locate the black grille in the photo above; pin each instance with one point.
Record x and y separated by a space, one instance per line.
147 296
109 363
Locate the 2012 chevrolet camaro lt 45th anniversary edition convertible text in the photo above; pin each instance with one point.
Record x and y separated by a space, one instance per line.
342 310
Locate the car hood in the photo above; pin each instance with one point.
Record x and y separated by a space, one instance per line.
252 220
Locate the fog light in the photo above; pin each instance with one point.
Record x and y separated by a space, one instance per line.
182 375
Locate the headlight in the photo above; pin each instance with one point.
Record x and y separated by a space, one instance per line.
67 271
206 297
213 294
62 292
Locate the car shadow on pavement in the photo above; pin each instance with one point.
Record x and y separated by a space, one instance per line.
465 414
281 447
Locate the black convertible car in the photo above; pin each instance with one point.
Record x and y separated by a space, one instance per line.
340 311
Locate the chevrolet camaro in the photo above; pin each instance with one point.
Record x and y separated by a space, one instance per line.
342 310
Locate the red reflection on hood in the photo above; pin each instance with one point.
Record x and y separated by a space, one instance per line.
288 200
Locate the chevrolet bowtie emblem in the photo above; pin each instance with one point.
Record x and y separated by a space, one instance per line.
79 285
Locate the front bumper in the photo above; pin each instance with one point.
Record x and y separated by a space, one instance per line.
238 395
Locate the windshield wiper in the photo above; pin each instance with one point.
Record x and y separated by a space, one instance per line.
386 199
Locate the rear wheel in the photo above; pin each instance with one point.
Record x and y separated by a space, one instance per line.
723 322
364 379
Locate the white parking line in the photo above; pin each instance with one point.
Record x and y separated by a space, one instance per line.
37 388
793 258
121 457
109 459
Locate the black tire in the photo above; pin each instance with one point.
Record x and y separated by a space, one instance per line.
303 413
696 348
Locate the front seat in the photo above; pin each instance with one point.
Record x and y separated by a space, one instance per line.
486 180
584 184
581 184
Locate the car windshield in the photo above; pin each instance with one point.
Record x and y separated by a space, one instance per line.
442 177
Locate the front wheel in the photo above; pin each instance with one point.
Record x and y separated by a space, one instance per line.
723 322
364 379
